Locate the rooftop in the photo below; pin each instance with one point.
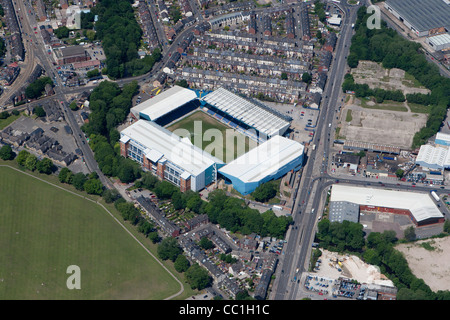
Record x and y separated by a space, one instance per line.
423 15
440 39
164 103
249 113
421 206
264 160
161 143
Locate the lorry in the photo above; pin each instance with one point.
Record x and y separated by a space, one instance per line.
435 196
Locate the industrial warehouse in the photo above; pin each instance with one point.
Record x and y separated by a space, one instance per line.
150 141
401 208
424 18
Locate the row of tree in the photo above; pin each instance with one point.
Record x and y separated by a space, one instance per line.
363 90
230 213
83 182
384 45
32 163
120 34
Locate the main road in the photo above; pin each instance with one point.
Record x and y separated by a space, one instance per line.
314 178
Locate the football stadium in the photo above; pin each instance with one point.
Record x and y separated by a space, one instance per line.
193 138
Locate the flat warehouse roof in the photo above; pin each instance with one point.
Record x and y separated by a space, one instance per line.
420 205
247 112
159 142
440 39
264 160
164 103
423 15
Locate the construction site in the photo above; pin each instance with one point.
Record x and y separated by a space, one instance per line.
337 276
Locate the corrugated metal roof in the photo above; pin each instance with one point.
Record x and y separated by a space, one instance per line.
420 205
161 143
247 112
264 160
164 103
423 15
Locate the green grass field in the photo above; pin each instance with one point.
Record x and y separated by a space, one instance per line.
44 229
232 144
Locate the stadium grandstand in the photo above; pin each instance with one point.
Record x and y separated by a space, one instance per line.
420 207
173 158
166 106
268 161
168 156
245 113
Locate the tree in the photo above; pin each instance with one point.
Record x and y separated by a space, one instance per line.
92 73
45 166
62 32
181 263
399 173
110 195
169 249
63 175
265 191
197 277
6 152
31 162
306 78
352 60
284 76
93 186
145 227
39 111
22 157
410 233
78 180
206 244
73 106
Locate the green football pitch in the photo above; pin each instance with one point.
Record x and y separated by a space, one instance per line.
212 136
45 229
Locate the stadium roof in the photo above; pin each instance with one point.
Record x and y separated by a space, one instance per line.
160 143
421 206
249 113
264 160
164 103
423 15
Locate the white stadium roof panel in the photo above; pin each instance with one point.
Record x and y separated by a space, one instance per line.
264 160
161 143
247 112
164 103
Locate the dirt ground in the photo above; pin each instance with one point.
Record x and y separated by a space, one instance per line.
381 126
431 264
374 75
352 267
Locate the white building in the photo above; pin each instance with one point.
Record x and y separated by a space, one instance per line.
439 42
168 156
268 161
164 103
421 206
